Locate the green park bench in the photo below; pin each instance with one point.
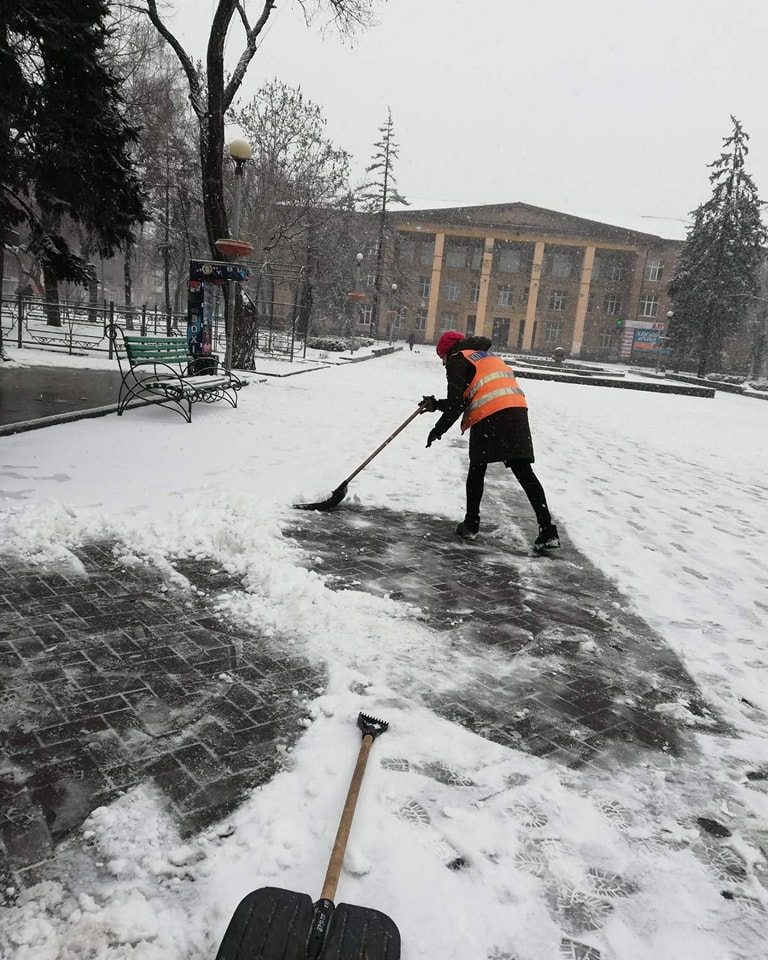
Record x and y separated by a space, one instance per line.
161 370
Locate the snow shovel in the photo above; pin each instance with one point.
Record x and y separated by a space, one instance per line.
341 491
275 924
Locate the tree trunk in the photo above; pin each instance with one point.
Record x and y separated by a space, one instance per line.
167 239
212 128
93 290
52 307
128 288
305 308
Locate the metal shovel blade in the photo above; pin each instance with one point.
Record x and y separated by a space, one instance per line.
275 924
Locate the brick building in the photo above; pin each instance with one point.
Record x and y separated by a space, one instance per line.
531 279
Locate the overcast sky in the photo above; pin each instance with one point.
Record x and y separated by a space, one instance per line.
600 107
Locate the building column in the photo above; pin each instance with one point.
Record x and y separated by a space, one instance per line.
434 286
583 301
485 277
533 294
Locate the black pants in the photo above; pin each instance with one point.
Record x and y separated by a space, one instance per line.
524 475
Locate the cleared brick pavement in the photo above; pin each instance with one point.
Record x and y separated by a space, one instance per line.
114 675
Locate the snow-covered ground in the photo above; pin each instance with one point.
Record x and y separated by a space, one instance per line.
666 494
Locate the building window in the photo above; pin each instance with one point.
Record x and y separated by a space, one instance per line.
407 250
370 281
615 272
562 265
611 305
604 339
506 295
471 321
608 268
477 256
474 291
509 260
366 315
649 305
653 269
425 285
447 321
452 289
427 252
524 298
455 255
557 301
421 319
553 331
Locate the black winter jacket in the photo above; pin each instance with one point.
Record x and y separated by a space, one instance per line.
504 435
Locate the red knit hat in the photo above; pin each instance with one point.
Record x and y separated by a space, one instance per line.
447 340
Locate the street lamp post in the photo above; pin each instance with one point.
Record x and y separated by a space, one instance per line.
392 292
240 151
356 297
663 339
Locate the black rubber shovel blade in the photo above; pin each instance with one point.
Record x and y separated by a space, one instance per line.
359 933
328 504
268 924
274 924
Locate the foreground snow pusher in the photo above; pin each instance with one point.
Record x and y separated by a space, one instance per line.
275 924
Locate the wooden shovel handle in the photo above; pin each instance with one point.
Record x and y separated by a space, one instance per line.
345 824
389 439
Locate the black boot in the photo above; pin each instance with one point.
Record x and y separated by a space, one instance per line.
548 538
469 526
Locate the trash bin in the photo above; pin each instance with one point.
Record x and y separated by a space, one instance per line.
205 365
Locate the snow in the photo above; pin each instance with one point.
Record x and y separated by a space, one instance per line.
665 494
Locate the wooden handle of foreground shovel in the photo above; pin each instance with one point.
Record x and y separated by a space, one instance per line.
390 438
345 824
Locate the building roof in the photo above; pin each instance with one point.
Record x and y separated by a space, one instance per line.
524 218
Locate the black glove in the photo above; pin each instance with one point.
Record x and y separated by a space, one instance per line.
434 434
428 404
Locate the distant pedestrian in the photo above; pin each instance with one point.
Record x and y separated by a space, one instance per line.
411 340
483 389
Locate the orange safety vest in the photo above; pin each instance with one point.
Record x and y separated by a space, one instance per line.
493 388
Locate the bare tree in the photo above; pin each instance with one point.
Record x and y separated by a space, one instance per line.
155 88
300 190
212 93
301 178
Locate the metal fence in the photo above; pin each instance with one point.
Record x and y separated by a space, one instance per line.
75 327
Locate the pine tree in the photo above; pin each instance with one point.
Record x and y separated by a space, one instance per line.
64 144
376 196
717 272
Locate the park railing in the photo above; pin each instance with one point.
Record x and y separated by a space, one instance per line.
78 328
75 327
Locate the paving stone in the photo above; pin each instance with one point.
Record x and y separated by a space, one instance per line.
489 596
112 678
104 680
